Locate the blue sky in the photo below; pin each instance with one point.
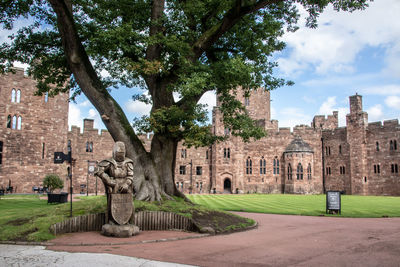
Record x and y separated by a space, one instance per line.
348 53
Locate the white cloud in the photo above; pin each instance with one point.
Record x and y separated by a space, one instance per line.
328 106
340 36
138 107
74 115
209 99
375 113
392 89
292 116
393 102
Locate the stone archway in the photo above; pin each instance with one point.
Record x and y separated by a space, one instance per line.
227 186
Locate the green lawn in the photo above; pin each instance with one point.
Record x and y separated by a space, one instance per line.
312 205
26 217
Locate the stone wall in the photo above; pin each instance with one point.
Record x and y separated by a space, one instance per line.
344 159
28 152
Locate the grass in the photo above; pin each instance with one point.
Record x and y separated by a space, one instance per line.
311 205
28 218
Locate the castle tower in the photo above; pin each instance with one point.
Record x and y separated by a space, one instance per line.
357 123
32 128
228 157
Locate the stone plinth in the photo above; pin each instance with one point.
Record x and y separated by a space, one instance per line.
126 230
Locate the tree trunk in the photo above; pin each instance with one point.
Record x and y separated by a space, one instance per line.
155 173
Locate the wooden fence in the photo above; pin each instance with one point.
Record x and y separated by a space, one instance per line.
145 220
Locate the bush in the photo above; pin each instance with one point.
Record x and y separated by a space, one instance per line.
52 182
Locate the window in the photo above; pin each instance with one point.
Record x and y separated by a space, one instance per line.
206 154
46 97
199 170
9 121
328 170
247 101
395 168
393 145
89 146
183 153
181 185
201 185
18 100
182 169
377 146
1 152
289 172
177 185
263 164
249 168
14 122
377 168
13 95
276 165
227 131
19 123
197 184
309 171
43 148
299 172
340 149
227 153
342 170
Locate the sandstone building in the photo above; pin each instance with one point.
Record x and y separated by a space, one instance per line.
361 158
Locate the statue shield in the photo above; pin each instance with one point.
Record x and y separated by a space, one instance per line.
121 208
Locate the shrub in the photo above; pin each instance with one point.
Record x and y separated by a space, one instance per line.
52 182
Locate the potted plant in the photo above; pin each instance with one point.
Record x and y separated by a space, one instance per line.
53 182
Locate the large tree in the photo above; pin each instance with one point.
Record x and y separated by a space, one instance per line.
183 47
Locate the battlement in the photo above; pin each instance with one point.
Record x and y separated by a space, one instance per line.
330 122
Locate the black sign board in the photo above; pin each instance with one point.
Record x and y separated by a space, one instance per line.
60 157
333 201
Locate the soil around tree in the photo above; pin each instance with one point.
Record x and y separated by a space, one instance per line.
221 222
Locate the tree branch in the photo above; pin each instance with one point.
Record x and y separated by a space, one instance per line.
211 35
90 84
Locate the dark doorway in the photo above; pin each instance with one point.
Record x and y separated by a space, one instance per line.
227 186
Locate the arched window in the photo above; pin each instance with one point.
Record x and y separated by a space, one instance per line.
276 165
340 149
391 145
394 144
89 146
227 153
309 172
377 146
9 121
14 122
18 96
289 172
247 101
19 123
249 168
263 164
13 95
299 172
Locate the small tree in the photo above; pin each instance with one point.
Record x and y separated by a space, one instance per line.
52 182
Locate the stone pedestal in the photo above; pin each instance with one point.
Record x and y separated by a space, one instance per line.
126 230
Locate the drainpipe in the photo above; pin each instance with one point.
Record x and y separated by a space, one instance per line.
323 165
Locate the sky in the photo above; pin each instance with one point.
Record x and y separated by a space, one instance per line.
348 53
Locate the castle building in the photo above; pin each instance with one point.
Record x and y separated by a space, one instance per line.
362 158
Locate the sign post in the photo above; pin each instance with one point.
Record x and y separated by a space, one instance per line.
59 158
333 202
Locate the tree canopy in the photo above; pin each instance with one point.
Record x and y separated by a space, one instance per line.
164 47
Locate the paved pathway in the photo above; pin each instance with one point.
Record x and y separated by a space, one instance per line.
32 256
280 240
